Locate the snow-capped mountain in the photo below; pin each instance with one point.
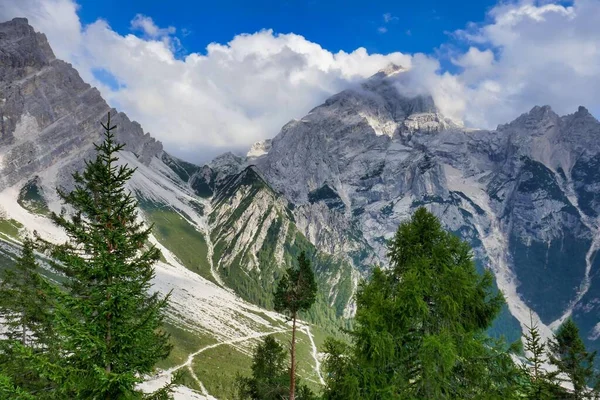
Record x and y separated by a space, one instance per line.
335 183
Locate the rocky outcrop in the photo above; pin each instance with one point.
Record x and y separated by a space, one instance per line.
48 113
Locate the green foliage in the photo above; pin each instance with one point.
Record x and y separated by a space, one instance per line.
295 292
181 237
10 227
108 325
24 303
270 379
297 289
568 354
540 385
26 310
218 368
8 390
420 326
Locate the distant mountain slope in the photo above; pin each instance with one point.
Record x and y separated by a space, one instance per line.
525 195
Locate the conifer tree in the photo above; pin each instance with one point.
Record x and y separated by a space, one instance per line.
269 380
540 385
568 353
27 334
24 305
108 321
295 292
8 390
420 325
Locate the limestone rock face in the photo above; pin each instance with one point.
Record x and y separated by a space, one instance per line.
48 114
527 195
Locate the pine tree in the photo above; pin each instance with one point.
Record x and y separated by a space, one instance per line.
295 292
568 353
108 322
24 305
26 311
420 325
540 385
269 380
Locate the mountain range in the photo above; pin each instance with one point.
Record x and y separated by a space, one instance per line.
335 183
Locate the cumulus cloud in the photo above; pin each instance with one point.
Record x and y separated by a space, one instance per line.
147 25
534 53
235 93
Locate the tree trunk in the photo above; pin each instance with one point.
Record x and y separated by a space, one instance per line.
24 331
293 360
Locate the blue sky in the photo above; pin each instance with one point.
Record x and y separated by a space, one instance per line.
410 26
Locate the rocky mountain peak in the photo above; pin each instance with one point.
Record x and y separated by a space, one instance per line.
22 50
538 119
259 149
48 114
227 164
389 70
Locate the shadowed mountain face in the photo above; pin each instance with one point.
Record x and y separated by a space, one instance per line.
335 183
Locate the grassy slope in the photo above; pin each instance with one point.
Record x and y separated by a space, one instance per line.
217 368
178 235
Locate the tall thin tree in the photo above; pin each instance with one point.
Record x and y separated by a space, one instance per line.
295 292
540 385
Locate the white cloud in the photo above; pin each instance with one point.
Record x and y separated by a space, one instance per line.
388 17
147 25
233 94
544 54
382 29
228 97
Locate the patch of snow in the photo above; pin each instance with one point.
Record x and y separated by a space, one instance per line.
314 353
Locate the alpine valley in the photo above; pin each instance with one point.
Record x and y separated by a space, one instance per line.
335 184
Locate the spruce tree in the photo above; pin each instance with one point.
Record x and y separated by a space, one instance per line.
24 303
269 380
108 321
27 333
295 292
420 326
540 385
568 354
8 390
